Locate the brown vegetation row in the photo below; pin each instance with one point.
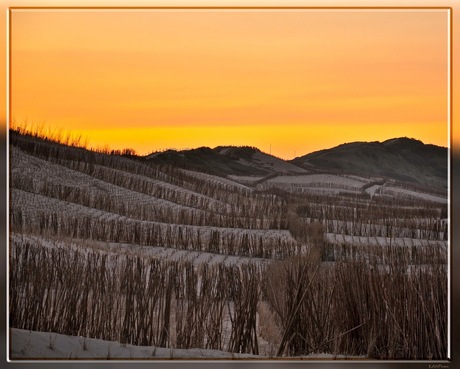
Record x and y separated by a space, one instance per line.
391 228
192 209
376 254
355 207
351 308
391 221
142 301
227 241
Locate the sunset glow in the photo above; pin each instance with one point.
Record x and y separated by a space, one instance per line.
286 81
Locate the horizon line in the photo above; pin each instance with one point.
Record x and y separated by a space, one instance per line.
72 139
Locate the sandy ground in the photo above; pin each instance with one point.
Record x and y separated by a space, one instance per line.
32 345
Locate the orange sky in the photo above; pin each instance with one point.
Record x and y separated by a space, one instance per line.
290 81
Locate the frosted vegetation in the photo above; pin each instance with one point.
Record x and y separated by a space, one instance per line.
114 257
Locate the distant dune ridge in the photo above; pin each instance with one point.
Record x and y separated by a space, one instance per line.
227 160
401 159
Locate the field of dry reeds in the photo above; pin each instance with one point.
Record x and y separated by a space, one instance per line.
392 311
335 274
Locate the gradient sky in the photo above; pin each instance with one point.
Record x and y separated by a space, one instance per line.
290 82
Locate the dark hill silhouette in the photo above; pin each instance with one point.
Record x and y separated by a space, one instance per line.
402 159
226 160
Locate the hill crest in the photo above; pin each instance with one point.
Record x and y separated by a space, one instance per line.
403 159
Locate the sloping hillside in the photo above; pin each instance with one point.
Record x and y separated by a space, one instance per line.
402 159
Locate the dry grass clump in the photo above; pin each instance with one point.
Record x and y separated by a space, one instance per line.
387 311
43 132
